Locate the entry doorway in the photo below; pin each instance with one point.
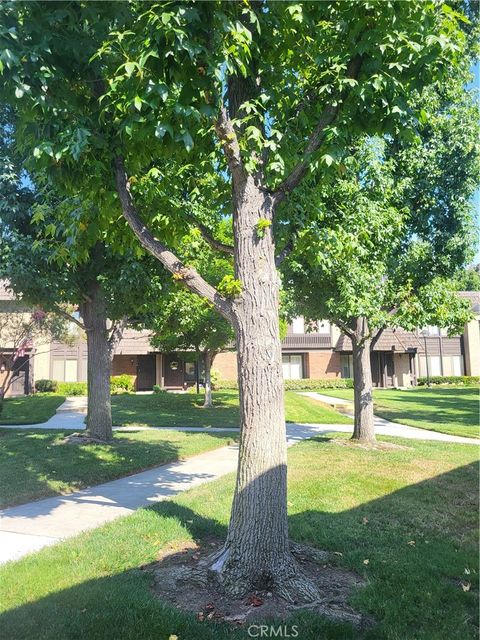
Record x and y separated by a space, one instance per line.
146 372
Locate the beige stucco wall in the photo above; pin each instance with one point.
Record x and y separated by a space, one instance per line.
41 363
226 365
402 370
471 341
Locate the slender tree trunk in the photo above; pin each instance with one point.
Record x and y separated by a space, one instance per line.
208 359
99 413
256 554
364 429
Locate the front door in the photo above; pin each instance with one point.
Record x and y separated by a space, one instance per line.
146 372
173 372
19 384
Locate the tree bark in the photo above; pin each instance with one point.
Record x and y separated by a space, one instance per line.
257 554
208 359
99 413
364 429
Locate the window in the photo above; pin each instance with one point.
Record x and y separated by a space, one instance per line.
323 326
292 367
346 364
64 370
298 325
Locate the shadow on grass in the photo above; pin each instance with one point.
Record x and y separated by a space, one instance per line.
418 541
33 466
432 405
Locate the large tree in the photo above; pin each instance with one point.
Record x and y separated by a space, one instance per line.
388 235
229 104
106 288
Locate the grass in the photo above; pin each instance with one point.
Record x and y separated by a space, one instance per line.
185 410
30 409
443 409
412 513
34 465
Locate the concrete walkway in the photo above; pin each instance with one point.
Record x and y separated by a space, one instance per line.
29 527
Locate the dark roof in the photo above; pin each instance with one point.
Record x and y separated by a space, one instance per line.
397 340
134 343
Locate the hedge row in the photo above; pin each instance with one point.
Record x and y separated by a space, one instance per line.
465 380
118 384
303 384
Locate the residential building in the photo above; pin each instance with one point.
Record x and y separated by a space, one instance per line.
318 351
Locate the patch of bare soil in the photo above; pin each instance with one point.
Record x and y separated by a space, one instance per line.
374 446
173 583
81 439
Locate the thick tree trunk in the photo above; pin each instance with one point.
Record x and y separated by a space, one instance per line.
256 554
99 413
364 429
208 359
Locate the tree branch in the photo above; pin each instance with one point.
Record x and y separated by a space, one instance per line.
213 242
231 148
317 137
187 275
287 249
116 333
68 316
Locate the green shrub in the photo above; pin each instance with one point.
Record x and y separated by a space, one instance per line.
72 388
226 384
312 384
123 383
46 386
458 380
158 389
304 384
215 379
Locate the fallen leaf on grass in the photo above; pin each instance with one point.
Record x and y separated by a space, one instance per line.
255 601
337 553
364 520
367 561
466 586
411 543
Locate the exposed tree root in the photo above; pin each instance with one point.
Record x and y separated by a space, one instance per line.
83 438
215 589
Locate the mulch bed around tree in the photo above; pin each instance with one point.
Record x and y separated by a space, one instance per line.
173 584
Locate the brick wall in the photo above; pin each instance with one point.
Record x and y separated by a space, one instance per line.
322 364
124 364
226 365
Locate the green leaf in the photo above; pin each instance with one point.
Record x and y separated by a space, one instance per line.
162 128
138 103
130 68
187 140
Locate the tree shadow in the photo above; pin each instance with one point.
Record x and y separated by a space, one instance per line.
417 542
56 469
447 406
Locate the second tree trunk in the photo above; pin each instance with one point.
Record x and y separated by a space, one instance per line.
364 429
99 413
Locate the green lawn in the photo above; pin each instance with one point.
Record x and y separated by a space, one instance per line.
412 513
444 409
185 410
32 466
30 409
